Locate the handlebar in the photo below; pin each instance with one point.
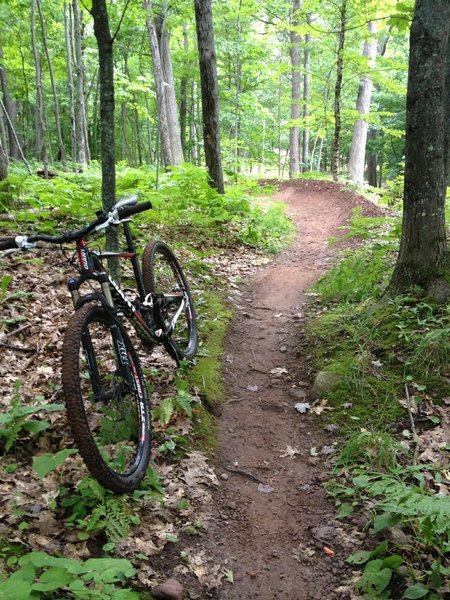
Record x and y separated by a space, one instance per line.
120 211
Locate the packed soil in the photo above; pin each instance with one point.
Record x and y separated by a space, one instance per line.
272 525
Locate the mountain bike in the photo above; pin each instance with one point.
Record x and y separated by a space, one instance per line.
103 385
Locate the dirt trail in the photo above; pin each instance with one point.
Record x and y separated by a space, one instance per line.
272 517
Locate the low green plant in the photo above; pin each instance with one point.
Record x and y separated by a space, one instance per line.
6 296
268 229
181 402
379 568
97 510
16 419
392 192
398 497
184 202
379 346
375 449
313 175
44 464
6 280
40 575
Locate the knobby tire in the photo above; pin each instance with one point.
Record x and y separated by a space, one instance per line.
105 397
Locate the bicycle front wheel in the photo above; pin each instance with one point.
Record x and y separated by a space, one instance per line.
163 276
105 398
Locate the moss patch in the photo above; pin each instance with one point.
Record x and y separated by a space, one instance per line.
206 375
205 426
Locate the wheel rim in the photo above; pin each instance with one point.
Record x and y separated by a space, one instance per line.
171 291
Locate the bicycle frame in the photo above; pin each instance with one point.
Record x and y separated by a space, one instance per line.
92 268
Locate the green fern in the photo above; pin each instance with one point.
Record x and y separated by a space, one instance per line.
112 517
96 510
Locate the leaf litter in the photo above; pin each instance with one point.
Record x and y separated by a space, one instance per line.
36 321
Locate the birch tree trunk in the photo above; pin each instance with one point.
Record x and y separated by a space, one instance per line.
68 41
306 98
337 91
184 99
169 85
10 107
160 88
82 156
294 132
359 139
210 92
423 255
238 89
61 148
41 147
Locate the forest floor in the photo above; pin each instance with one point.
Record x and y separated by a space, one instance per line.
254 521
271 525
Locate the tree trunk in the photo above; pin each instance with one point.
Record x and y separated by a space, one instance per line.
210 92
184 99
137 127
95 119
319 156
372 134
337 91
124 145
149 132
61 148
359 139
10 107
237 89
160 88
4 161
447 119
169 85
193 137
68 40
106 79
82 156
306 98
41 147
372 159
294 131
423 249
279 124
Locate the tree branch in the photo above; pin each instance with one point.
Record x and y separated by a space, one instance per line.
120 21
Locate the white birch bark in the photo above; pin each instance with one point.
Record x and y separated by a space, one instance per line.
81 116
294 132
359 140
170 97
159 86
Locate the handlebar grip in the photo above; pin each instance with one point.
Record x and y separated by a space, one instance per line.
127 211
8 244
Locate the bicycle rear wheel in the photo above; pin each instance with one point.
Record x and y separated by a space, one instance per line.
105 398
163 276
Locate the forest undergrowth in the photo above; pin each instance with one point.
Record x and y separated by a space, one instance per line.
391 404
60 530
